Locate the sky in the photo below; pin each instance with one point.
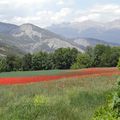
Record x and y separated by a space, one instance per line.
46 12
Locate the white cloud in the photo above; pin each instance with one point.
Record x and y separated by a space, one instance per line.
44 18
102 13
105 8
3 2
82 18
62 15
61 2
46 12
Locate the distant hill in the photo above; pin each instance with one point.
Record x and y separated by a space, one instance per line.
109 32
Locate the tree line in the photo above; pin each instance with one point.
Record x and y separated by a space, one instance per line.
62 58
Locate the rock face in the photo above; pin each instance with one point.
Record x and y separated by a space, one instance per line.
108 32
29 38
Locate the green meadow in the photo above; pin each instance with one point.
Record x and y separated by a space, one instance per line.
66 99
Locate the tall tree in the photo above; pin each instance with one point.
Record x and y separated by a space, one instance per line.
114 57
2 64
27 62
39 61
101 55
10 62
64 57
83 61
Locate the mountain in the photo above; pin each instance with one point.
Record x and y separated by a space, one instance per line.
86 42
28 38
109 32
31 38
9 50
6 27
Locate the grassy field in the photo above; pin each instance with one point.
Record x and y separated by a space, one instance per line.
31 73
66 99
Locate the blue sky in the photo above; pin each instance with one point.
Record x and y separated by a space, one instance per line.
47 12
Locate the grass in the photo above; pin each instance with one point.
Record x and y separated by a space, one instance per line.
31 73
67 99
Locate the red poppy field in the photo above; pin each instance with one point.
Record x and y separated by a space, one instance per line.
55 94
84 73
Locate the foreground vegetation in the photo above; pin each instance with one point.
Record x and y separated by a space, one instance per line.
67 99
111 110
63 58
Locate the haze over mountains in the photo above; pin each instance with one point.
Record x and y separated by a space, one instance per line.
109 32
28 38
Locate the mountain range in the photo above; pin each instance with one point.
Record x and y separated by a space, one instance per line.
28 38
109 32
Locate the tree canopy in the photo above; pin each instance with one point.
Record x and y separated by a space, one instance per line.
63 58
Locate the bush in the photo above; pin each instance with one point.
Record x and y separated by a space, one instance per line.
105 113
111 111
83 61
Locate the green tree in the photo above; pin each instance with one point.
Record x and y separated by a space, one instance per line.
50 62
101 56
2 64
115 55
40 61
83 61
64 58
27 62
118 64
11 64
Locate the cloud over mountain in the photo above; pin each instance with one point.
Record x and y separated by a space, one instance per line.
47 12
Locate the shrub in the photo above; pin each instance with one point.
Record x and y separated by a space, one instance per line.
111 111
118 64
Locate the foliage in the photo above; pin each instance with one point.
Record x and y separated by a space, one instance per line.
115 54
118 64
111 111
2 65
39 61
39 100
82 61
27 62
105 113
13 63
63 58
116 99
102 55
49 101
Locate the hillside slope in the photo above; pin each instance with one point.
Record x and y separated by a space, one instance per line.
9 50
29 38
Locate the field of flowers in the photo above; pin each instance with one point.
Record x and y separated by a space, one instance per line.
74 95
40 76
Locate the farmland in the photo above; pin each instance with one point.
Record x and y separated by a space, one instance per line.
74 95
